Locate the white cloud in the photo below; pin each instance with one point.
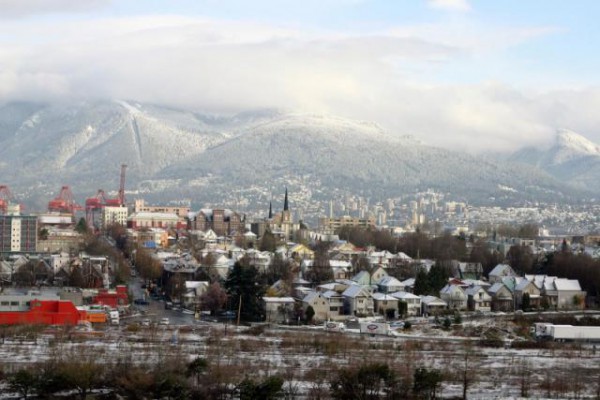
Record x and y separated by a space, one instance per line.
228 66
25 8
451 5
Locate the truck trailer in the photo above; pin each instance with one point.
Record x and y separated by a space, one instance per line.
564 333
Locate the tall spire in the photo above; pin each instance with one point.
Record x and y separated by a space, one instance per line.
270 210
285 202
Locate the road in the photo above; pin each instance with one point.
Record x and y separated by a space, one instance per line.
155 311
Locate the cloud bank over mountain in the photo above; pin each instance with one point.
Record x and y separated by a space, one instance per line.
409 78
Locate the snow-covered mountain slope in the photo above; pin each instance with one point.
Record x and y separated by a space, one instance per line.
176 152
572 158
358 157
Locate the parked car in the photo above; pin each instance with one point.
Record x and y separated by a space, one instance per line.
146 322
141 302
164 321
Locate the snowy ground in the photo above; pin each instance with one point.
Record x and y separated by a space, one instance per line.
559 371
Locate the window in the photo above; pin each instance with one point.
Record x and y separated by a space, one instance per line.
14 303
4 303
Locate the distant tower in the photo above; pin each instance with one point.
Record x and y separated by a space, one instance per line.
286 215
270 210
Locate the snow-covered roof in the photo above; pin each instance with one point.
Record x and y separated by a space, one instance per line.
433 301
279 300
502 270
410 282
449 289
473 290
567 284
389 281
195 284
330 293
355 291
311 296
383 297
496 287
405 295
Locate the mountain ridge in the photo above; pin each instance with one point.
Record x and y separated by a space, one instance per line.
172 152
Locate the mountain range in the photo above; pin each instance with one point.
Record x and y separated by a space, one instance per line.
173 153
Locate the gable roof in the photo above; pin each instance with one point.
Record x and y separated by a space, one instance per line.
433 301
389 281
405 295
355 291
567 284
383 296
502 270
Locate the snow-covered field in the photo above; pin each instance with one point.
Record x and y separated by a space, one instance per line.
308 358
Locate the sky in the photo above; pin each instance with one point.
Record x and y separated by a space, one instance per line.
475 75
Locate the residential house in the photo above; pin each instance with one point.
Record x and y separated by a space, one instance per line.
478 299
525 286
500 272
454 296
467 270
193 291
278 309
319 304
358 301
413 302
389 284
569 294
431 305
385 304
502 297
336 304
559 293
409 285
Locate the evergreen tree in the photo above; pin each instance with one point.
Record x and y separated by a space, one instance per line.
243 285
421 283
437 277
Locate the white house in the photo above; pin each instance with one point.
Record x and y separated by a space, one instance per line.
383 302
431 305
389 284
478 299
413 302
358 301
500 272
454 296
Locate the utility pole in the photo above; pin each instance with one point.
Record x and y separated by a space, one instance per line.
239 311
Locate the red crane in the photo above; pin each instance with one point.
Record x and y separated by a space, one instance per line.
64 203
92 205
119 201
5 198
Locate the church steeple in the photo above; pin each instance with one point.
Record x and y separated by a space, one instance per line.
270 210
285 201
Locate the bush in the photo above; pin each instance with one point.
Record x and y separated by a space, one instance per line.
447 323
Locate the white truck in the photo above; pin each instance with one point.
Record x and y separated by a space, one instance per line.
375 328
331 326
563 333
114 317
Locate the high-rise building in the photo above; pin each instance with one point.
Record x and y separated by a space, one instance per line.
114 215
18 233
